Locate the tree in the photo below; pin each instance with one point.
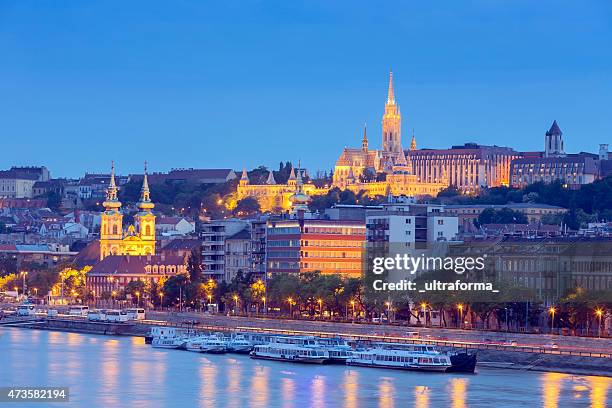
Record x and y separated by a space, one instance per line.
194 265
246 207
501 216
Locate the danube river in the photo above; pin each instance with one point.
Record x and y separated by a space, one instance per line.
104 371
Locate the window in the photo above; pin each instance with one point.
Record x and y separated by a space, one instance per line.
115 229
148 230
440 222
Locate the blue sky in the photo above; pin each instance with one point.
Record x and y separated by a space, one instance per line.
243 83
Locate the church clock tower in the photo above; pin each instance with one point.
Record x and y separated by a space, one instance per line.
111 221
145 220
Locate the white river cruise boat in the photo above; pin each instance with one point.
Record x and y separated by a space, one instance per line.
168 337
213 344
239 344
400 359
290 352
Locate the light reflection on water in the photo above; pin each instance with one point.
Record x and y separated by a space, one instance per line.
113 372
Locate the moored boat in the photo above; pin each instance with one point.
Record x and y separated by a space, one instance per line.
239 344
399 359
213 344
290 352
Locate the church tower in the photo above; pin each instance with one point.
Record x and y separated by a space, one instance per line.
554 142
391 122
144 220
111 220
364 141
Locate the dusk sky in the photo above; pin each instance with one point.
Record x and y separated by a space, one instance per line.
242 83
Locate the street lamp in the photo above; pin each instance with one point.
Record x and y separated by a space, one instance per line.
161 300
423 306
599 314
236 304
17 290
290 301
388 311
320 301
138 297
353 304
552 319
24 274
113 294
460 307
264 304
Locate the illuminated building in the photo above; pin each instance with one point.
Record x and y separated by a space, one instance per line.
356 168
272 196
138 239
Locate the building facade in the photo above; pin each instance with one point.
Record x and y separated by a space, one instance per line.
299 245
553 164
410 226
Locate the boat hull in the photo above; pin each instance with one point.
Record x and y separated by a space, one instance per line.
433 369
462 363
321 360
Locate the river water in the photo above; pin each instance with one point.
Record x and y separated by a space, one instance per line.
103 371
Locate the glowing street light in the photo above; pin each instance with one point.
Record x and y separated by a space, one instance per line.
138 297
236 304
320 301
552 319
460 307
599 314
353 304
423 306
263 298
290 301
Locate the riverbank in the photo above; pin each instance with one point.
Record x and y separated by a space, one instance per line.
506 357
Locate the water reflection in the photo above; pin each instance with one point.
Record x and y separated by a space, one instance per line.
599 391
421 396
317 391
234 380
386 392
459 392
288 390
259 386
351 388
208 383
551 387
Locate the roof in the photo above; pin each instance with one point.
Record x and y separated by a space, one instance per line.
182 244
132 265
16 174
170 220
554 130
509 205
88 256
242 234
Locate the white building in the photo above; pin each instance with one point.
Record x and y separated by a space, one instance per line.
412 225
213 235
171 226
15 184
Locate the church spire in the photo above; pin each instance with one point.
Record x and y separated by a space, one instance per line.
413 145
145 203
244 179
112 200
390 95
270 179
364 141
